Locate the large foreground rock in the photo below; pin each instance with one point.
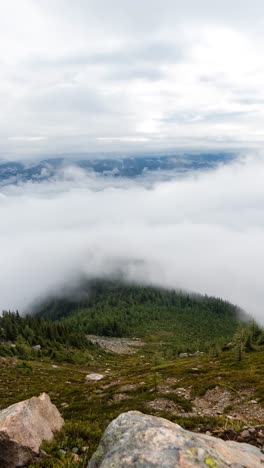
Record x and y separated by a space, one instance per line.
23 427
142 441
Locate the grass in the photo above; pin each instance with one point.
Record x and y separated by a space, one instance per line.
89 408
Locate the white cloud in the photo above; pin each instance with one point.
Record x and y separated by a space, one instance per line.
203 232
164 73
27 138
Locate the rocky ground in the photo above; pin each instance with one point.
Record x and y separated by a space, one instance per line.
218 401
116 345
214 395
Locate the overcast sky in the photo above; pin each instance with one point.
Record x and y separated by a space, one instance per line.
101 75
119 76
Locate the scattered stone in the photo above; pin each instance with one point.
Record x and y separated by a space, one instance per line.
163 404
197 353
42 453
138 440
84 449
245 434
116 345
54 366
75 450
37 347
183 392
131 387
120 397
62 453
93 377
24 426
252 435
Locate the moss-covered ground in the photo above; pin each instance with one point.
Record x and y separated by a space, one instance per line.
130 382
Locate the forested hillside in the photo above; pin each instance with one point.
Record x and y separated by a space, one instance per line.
33 337
116 309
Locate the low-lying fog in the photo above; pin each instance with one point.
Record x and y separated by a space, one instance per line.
203 232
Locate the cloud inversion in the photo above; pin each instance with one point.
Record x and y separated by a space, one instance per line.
203 232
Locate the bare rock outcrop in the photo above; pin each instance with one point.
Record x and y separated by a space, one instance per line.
24 426
141 441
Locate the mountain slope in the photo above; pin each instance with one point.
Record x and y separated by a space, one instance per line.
115 309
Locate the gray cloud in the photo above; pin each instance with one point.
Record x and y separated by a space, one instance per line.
202 233
80 72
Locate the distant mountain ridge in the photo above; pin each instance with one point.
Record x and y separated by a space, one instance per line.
16 172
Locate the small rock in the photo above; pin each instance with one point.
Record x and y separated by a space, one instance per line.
85 449
42 453
75 450
245 434
93 377
54 366
62 453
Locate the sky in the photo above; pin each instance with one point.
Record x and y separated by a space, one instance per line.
122 77
98 76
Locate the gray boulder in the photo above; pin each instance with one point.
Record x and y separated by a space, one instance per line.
23 427
141 441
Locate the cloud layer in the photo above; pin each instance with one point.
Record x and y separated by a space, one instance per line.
97 75
204 233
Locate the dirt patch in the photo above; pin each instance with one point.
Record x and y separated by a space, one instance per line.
163 404
116 345
120 397
131 387
181 392
248 435
219 401
248 412
214 402
234 405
